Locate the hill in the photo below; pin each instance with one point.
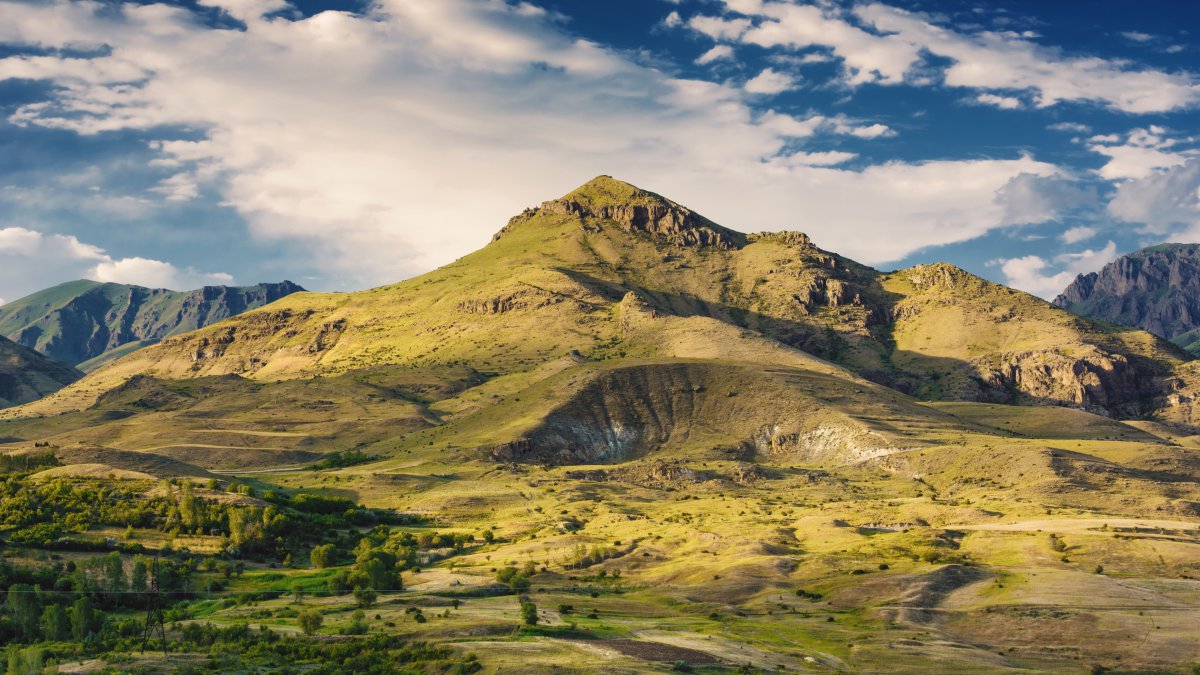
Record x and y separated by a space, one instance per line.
87 323
1156 289
655 442
26 375
556 277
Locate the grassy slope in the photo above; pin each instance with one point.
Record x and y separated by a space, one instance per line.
549 286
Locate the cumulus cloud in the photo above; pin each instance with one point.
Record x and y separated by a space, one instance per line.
1138 153
396 139
1029 198
1165 203
770 81
1070 127
878 43
1074 235
31 260
1002 102
717 53
1047 278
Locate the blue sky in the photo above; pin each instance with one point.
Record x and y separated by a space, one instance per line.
345 144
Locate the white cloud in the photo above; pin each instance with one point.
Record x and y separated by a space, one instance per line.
794 127
1002 102
718 28
398 139
770 81
32 260
1029 198
894 49
1139 153
1166 203
1137 36
799 159
717 53
1077 234
672 20
1036 275
153 274
1070 127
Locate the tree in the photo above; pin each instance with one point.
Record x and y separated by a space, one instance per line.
310 620
322 556
139 575
82 619
489 536
364 597
24 606
26 661
56 625
529 613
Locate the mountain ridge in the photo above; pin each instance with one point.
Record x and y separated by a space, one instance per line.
555 278
1155 288
82 323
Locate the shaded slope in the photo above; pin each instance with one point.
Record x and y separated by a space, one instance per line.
26 375
79 322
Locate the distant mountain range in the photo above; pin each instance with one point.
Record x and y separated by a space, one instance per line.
1156 289
88 323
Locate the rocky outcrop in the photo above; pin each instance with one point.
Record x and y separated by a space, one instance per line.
1156 289
1093 380
666 221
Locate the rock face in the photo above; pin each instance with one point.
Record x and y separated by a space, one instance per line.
26 375
83 320
1156 289
634 210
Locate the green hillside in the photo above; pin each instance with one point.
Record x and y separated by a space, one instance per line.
621 438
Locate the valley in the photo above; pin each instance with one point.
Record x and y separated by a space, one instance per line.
622 438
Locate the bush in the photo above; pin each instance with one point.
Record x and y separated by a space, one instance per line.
310 621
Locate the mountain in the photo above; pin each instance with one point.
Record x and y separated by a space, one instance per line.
87 323
26 375
611 271
699 445
1156 289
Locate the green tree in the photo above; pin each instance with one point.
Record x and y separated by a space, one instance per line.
364 597
24 605
26 661
322 556
114 573
529 613
139 575
310 620
83 617
56 625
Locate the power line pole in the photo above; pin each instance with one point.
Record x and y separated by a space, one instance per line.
154 613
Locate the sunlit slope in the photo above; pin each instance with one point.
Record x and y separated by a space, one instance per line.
554 281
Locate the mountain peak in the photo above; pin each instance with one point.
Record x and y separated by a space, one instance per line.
1156 289
606 199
